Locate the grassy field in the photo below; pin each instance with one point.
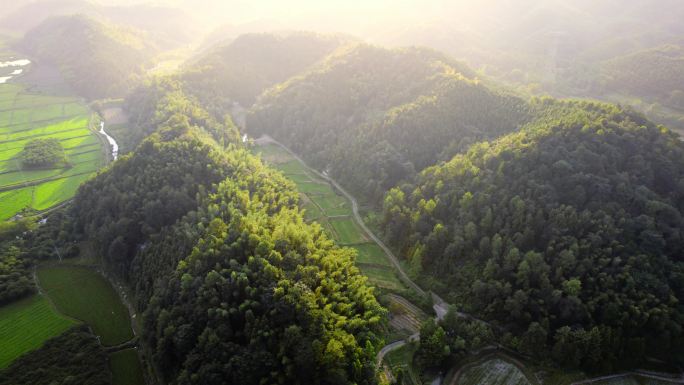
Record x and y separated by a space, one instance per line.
347 231
26 115
126 368
26 324
323 205
84 294
371 254
493 372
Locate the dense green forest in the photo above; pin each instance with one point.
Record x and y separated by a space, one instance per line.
157 184
259 296
372 116
15 270
161 104
101 59
75 357
567 233
233 285
553 227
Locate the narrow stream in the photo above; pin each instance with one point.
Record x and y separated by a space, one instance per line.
112 142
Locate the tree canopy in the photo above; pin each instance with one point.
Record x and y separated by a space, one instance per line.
42 153
233 285
568 233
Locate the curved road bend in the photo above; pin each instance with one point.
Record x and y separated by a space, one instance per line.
393 346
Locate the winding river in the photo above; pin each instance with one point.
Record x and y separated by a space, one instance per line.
112 142
13 63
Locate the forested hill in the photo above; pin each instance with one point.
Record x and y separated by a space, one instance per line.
242 69
162 102
97 59
237 72
657 73
233 286
373 116
167 27
567 233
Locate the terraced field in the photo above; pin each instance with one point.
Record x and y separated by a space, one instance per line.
26 115
323 205
84 294
26 324
405 316
493 372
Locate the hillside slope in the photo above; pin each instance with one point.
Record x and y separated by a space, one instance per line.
166 27
242 69
657 73
97 59
373 117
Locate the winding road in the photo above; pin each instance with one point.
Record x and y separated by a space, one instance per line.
357 217
439 305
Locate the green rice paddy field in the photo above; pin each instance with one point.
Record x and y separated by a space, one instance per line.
26 324
25 116
323 205
84 294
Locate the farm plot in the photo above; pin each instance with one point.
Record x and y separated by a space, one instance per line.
347 231
405 316
382 277
371 254
25 116
331 203
84 294
26 324
333 212
493 372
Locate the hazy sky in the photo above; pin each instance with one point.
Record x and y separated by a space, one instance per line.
321 14
373 18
